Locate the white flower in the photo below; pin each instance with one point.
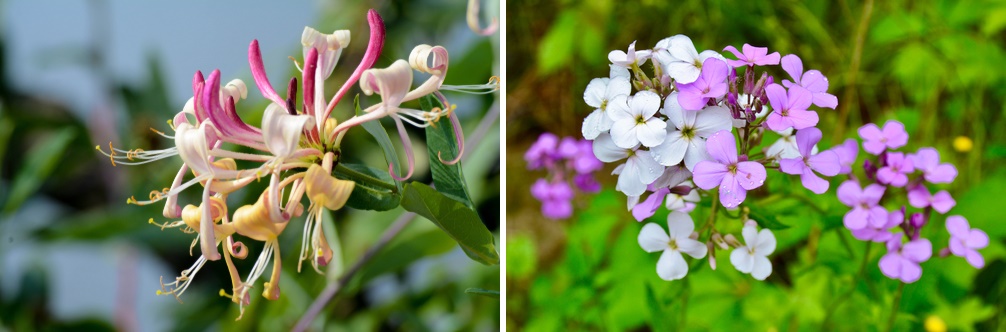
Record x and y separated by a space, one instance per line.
679 58
785 147
638 171
616 71
672 265
686 139
627 59
599 93
745 101
753 257
634 122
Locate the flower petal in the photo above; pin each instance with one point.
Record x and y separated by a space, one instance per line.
806 139
282 131
827 163
750 174
742 259
813 182
793 66
722 147
711 120
652 238
958 226
605 149
672 150
679 225
707 174
762 267
671 266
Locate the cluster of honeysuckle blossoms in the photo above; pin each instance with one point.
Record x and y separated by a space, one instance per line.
565 160
296 149
695 123
887 171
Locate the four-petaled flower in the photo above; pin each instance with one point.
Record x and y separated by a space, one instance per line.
902 261
733 177
927 160
847 152
599 93
629 58
634 122
880 233
863 202
789 108
753 256
896 171
679 58
825 162
638 171
672 265
752 56
875 140
711 84
965 241
686 138
941 202
812 80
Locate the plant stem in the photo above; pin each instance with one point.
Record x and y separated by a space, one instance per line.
857 55
897 303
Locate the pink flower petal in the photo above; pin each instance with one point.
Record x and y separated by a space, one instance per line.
722 147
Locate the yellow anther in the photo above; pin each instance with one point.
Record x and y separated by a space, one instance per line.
224 294
159 292
295 61
97 147
131 200
319 253
171 124
158 131
495 82
151 221
111 153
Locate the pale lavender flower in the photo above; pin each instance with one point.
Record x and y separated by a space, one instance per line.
927 160
965 241
711 84
863 202
542 152
825 162
919 197
883 232
555 198
733 177
847 152
812 80
896 171
789 108
875 140
752 56
902 261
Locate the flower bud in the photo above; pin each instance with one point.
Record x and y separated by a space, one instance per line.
712 255
718 239
731 240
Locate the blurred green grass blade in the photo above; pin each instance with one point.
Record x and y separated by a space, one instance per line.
459 221
484 292
37 167
657 311
6 129
374 128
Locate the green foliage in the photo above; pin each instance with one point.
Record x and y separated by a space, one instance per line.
459 221
375 129
42 159
373 190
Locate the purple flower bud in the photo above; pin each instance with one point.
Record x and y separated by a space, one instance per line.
917 220
681 190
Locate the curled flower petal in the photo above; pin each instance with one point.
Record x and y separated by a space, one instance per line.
325 189
473 20
369 58
282 131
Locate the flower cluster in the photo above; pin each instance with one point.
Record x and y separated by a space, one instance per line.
910 175
694 126
565 160
295 148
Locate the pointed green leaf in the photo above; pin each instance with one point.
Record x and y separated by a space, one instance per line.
459 221
374 128
441 143
484 292
373 190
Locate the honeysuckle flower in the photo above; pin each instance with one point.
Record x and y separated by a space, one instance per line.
634 122
875 140
653 238
638 171
711 84
599 93
680 60
880 233
629 58
328 192
733 177
789 108
847 152
902 261
686 137
895 172
919 197
473 20
863 202
812 80
927 160
752 257
826 162
752 56
965 241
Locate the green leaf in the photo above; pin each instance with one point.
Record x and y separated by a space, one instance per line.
657 312
459 221
374 128
484 292
556 47
373 190
39 165
440 141
764 218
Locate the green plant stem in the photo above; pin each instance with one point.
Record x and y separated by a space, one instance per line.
712 214
894 309
849 100
825 325
364 178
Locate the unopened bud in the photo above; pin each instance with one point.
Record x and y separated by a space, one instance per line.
732 241
681 190
693 236
712 255
718 239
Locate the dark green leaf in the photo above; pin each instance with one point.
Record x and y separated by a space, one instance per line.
373 190
440 141
374 128
657 313
459 221
484 292
40 163
764 218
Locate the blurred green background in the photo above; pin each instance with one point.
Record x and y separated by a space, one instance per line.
74 256
937 66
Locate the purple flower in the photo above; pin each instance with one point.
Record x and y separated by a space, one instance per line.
584 161
648 207
928 161
753 56
825 162
847 153
965 241
864 205
555 198
896 171
789 109
587 183
941 202
812 80
711 84
542 151
875 140
902 262
734 178
883 232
